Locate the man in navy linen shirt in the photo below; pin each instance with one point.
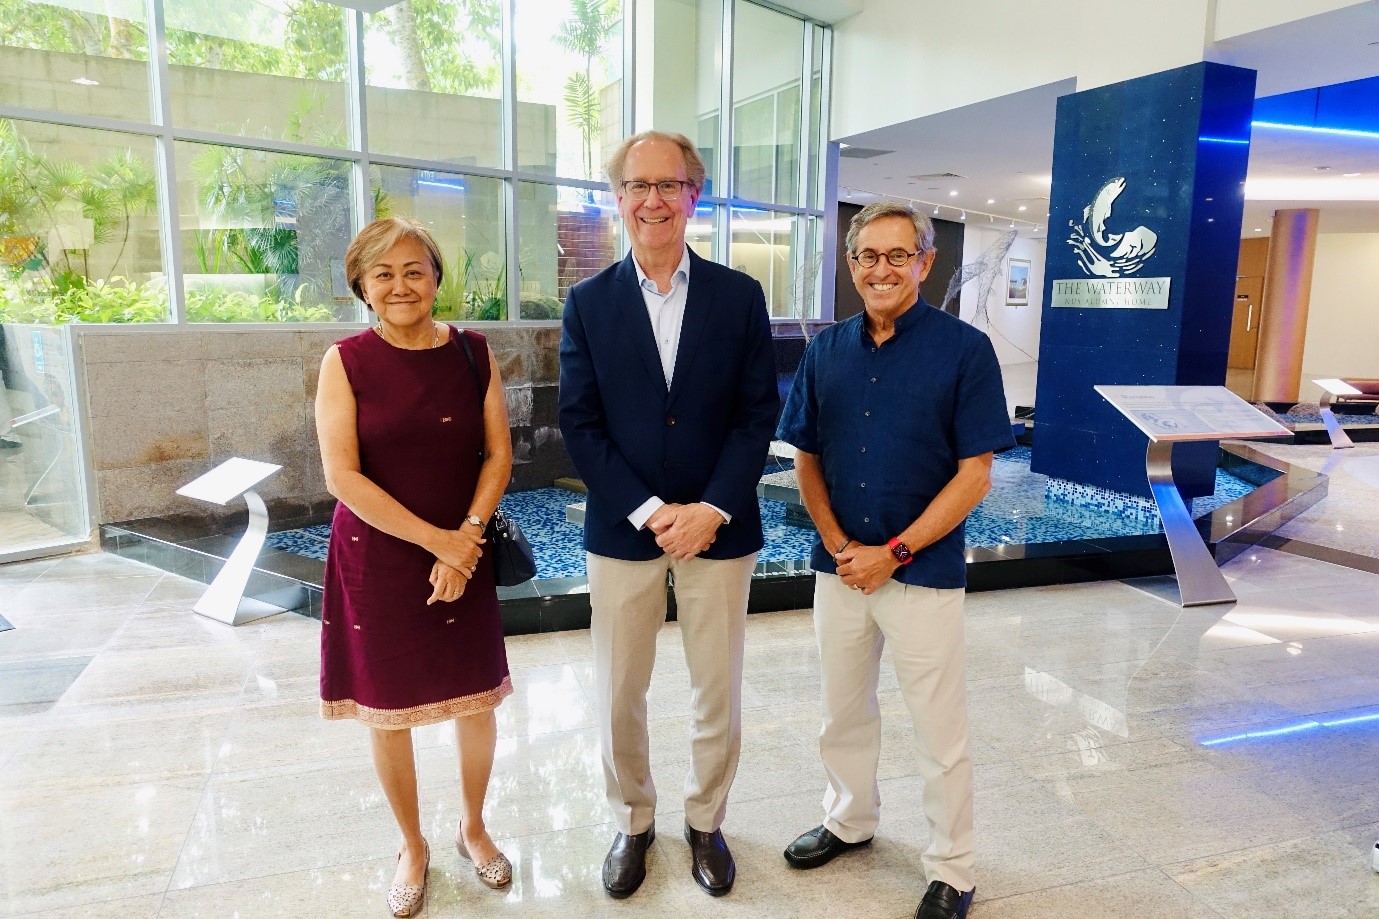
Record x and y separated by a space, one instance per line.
896 414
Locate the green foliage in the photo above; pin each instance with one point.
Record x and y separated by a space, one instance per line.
38 192
474 288
590 24
542 308
73 299
47 27
428 33
312 32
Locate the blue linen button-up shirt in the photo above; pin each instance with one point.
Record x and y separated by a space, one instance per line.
889 423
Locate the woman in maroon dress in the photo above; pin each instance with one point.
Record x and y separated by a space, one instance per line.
410 629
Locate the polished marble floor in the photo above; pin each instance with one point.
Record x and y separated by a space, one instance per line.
1133 759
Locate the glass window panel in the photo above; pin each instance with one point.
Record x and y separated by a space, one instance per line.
702 230
42 482
569 85
566 235
266 69
89 57
768 50
817 117
775 249
79 229
435 77
264 235
465 214
679 72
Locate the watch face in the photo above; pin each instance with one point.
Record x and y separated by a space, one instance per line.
901 552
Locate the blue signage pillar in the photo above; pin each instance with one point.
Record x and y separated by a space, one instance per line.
1139 278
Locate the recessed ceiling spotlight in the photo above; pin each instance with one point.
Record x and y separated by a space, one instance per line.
1023 208
953 193
990 200
1350 175
1321 168
86 81
843 146
1259 229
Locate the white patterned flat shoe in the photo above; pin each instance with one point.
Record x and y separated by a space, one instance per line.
405 899
496 873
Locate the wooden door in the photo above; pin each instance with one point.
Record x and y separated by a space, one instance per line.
1249 297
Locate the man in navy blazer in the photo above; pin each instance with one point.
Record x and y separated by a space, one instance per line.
667 404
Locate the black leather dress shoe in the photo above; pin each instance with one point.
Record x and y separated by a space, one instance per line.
942 901
625 867
818 847
711 863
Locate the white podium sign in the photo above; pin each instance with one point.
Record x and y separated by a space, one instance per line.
1176 414
1186 413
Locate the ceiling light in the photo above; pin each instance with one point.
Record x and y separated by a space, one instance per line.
1012 224
1321 168
1312 189
1259 229
843 146
86 81
953 193
1023 208
963 215
990 200
1351 175
935 210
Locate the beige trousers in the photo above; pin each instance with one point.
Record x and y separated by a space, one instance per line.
925 629
629 608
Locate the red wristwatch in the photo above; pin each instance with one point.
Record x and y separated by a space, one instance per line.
900 551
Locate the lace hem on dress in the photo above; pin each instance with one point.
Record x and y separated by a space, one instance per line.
420 715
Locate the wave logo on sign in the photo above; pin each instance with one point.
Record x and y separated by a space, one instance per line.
1104 254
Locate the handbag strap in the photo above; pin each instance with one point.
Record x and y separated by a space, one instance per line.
474 369
473 364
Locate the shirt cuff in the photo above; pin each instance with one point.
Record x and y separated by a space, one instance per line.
641 515
727 517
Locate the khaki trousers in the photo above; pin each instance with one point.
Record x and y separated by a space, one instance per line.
925 629
629 607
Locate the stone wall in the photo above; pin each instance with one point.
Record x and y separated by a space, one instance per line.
165 405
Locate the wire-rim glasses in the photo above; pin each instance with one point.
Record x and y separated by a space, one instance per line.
898 258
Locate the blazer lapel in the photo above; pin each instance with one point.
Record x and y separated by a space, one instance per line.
632 308
698 300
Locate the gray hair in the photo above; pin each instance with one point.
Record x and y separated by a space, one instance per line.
694 164
924 227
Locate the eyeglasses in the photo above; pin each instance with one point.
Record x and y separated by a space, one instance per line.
897 257
666 189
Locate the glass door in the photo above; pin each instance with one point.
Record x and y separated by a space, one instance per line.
43 497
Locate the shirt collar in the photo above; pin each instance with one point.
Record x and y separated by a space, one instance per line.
908 319
681 274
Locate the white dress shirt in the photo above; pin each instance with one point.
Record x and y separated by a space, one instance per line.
667 314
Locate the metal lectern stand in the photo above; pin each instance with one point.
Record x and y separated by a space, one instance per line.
1340 440
224 600
1177 414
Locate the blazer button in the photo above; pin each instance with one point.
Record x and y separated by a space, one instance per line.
670 420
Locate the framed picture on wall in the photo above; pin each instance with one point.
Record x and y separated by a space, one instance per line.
1017 281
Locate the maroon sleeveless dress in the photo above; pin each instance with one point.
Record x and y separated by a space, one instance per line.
387 658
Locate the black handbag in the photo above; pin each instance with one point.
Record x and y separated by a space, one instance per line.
513 562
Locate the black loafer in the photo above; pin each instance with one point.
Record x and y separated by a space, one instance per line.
711 864
625 867
942 901
818 847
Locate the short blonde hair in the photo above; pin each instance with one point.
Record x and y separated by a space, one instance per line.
694 164
374 242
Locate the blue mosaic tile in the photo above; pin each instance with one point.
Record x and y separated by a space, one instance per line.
309 541
1023 507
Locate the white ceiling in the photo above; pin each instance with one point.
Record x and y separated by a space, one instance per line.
1002 149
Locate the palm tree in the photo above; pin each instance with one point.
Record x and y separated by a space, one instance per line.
589 25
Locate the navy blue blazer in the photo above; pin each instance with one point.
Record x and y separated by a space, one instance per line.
703 440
